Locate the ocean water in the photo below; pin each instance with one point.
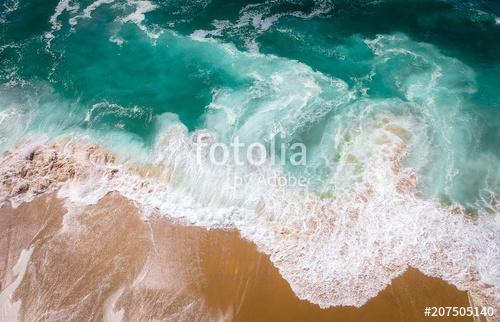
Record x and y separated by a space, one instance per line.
396 102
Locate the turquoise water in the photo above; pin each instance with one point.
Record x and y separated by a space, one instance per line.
329 74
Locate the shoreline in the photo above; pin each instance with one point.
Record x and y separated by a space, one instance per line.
106 260
356 242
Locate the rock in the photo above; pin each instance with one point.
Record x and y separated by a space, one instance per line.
22 188
31 156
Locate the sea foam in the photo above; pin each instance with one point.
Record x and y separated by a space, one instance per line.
336 250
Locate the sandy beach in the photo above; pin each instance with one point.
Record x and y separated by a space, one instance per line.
107 262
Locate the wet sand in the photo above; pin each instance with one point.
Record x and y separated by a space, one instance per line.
108 263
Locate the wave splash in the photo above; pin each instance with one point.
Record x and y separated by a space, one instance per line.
338 250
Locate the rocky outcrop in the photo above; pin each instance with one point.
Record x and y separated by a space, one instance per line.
38 169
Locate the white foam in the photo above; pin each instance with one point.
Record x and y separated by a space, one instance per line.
259 18
286 92
9 6
219 27
87 12
110 315
117 40
9 311
104 108
14 120
62 6
141 8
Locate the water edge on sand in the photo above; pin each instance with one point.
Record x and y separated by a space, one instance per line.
108 262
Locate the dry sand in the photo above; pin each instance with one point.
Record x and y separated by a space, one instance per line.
106 262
